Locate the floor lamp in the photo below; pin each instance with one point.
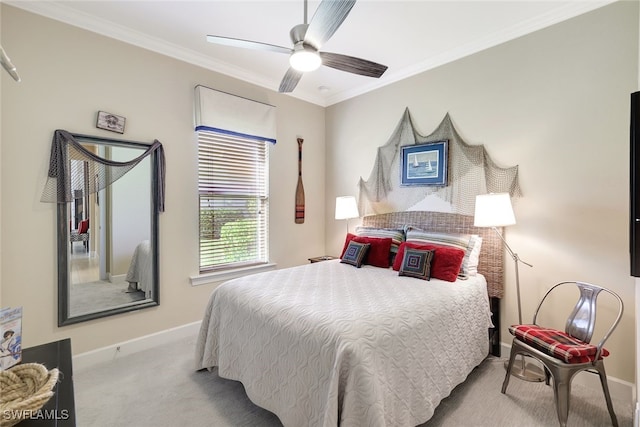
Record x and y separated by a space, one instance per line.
346 208
494 210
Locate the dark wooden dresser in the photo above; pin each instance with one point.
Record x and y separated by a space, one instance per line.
59 411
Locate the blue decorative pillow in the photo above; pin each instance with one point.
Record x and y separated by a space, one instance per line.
416 263
355 253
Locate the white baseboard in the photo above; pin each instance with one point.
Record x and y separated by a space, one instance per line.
618 389
112 352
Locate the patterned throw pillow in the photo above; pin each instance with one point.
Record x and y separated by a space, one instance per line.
416 263
378 253
355 253
445 264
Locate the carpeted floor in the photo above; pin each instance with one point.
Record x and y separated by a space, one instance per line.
159 387
99 295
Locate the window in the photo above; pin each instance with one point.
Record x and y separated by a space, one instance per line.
233 186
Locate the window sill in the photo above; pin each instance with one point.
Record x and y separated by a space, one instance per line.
219 276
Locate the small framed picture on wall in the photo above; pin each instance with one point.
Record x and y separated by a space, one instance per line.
110 122
424 164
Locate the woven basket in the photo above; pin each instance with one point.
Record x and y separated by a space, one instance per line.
24 389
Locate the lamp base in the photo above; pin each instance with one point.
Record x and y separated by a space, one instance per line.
526 371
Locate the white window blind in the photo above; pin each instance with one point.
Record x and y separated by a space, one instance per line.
233 185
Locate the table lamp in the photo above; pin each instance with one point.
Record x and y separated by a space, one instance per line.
346 208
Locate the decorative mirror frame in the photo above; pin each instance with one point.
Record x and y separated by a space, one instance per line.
63 231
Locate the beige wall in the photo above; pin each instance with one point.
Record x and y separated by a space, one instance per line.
68 75
556 103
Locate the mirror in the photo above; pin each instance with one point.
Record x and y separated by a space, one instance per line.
108 240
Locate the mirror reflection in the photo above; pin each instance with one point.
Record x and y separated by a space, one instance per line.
110 243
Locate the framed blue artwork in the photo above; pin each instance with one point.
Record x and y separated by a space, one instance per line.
424 164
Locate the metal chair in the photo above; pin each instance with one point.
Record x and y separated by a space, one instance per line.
564 354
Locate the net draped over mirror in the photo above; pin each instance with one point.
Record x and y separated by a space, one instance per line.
64 148
471 171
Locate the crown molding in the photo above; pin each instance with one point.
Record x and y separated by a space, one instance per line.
67 15
60 12
563 13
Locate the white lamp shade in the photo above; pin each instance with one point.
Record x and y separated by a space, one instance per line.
493 210
346 207
305 60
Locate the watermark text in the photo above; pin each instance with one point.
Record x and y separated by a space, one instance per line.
40 414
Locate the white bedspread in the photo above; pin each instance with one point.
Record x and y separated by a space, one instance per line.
328 344
141 268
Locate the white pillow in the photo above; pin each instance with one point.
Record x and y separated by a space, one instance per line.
475 244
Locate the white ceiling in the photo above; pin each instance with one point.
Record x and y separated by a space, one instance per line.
407 36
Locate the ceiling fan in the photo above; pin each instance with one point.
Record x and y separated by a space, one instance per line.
7 65
307 40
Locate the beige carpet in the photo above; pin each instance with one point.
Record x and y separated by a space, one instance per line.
159 387
99 295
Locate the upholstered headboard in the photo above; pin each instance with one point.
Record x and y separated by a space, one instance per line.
491 263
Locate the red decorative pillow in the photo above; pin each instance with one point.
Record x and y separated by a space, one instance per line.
378 254
83 227
346 243
446 261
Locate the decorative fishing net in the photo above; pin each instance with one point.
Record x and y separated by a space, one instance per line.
470 172
100 174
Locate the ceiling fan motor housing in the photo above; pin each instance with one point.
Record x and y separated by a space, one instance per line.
298 32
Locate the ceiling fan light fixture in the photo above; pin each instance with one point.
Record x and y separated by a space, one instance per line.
305 59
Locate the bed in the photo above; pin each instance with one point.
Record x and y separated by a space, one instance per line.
140 273
328 344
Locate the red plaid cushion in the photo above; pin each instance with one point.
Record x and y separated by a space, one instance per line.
557 343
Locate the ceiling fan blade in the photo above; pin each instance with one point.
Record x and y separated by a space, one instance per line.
247 44
352 64
328 17
290 80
